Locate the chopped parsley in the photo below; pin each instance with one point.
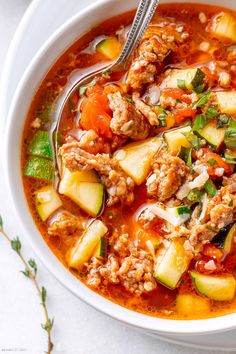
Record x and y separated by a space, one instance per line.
212 112
199 122
195 195
230 134
129 99
210 188
181 84
194 140
212 162
203 99
186 155
223 120
82 89
198 80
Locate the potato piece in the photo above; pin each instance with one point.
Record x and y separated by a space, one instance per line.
47 201
223 26
172 265
109 47
187 75
226 101
84 189
192 305
86 245
135 158
175 139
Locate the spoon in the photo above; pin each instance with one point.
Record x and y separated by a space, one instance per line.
143 16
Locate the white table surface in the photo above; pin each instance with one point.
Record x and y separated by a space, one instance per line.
79 329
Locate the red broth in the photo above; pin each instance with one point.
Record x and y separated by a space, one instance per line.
160 302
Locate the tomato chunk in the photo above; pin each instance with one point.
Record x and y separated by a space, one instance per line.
215 161
95 112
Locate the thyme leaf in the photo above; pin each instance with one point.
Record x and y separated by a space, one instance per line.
30 272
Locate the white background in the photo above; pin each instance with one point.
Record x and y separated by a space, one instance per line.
78 329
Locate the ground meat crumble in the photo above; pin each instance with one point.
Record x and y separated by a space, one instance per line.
118 185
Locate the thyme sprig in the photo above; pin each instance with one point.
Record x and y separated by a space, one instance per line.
30 272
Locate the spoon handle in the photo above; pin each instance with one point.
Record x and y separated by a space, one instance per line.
143 16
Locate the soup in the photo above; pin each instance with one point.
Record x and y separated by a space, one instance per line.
144 212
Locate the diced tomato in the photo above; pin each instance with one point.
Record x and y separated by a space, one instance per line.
213 252
219 162
210 253
177 94
183 114
91 90
210 78
95 112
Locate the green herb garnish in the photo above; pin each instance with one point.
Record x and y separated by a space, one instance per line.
223 120
230 134
198 79
210 188
129 99
181 84
106 73
212 112
212 162
195 141
203 99
195 196
185 209
82 89
199 122
186 155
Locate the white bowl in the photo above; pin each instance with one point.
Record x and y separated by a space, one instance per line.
44 59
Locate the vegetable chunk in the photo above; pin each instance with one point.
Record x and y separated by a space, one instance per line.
109 47
86 245
226 101
188 304
223 26
176 138
135 158
173 264
88 194
47 201
219 288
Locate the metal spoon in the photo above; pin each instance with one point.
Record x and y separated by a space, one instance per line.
143 16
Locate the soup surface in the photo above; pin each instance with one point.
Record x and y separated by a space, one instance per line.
145 208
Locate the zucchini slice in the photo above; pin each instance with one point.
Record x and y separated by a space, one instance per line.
101 249
135 158
223 26
47 201
230 156
226 101
86 245
39 167
40 145
109 47
89 195
219 288
172 265
175 139
189 304
214 136
186 75
229 240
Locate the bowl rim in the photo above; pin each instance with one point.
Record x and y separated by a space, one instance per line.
129 317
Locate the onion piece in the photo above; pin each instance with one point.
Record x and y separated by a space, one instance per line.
204 201
198 182
152 95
